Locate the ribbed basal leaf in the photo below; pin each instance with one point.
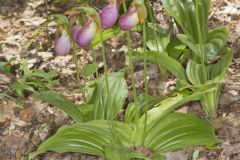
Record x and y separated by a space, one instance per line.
194 73
184 12
190 43
106 105
76 112
132 110
216 40
210 101
91 138
217 71
89 70
114 152
164 60
170 104
178 130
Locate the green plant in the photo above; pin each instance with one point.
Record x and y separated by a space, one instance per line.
93 134
210 61
33 79
149 127
206 46
191 78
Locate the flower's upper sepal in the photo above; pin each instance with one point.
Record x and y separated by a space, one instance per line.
63 44
141 9
142 12
87 33
109 14
136 14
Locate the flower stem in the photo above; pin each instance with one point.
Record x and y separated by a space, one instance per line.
75 59
132 71
145 84
153 23
106 79
95 59
200 42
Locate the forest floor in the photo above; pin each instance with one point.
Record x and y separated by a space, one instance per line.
23 130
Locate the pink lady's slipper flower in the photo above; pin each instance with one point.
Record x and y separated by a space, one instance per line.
109 14
63 44
75 30
129 19
86 33
135 15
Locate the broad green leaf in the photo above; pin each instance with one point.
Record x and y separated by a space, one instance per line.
217 71
216 40
175 48
107 34
106 105
89 70
77 113
178 130
160 45
210 101
164 60
91 138
195 73
193 46
113 152
170 104
132 110
186 15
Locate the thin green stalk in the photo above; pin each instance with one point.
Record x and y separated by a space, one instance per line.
145 84
201 43
132 70
151 15
75 59
153 23
95 59
84 81
106 78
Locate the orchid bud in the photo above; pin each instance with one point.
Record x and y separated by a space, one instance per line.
86 33
63 44
75 30
130 19
109 14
